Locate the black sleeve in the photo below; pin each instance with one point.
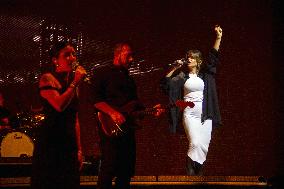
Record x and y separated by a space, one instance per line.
164 85
213 61
97 86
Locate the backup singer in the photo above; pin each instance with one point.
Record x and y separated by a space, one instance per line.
196 81
57 155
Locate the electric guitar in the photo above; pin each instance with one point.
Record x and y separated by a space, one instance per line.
132 114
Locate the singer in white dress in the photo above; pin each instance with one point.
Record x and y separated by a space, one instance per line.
197 82
197 131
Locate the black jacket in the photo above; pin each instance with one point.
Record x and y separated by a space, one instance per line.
173 86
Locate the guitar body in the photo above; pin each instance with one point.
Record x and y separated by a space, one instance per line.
130 111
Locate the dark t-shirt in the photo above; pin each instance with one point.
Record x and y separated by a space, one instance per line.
114 86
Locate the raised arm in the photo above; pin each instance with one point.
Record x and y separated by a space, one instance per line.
218 31
173 70
48 89
213 58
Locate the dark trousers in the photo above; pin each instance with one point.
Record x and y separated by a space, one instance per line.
118 160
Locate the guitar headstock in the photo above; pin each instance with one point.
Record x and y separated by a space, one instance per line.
183 104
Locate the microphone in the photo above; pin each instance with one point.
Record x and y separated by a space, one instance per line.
181 61
75 64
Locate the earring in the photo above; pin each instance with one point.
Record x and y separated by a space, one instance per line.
56 64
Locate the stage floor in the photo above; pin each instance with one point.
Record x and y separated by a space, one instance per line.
15 173
161 182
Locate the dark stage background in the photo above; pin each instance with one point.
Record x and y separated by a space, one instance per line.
160 31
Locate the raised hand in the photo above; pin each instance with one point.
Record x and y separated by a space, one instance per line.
80 74
218 31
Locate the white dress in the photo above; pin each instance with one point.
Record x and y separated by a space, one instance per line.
198 133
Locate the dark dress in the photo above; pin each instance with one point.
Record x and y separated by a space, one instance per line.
55 160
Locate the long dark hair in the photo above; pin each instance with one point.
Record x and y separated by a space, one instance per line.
57 47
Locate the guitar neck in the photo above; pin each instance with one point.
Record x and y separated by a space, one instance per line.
147 111
151 111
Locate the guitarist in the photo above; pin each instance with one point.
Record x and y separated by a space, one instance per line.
112 87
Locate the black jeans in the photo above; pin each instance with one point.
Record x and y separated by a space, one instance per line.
118 160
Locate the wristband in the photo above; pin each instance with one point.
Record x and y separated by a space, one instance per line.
72 85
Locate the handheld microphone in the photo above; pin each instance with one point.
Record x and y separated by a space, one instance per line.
75 64
181 61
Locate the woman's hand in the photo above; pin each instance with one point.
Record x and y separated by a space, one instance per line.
174 69
219 34
80 74
218 31
80 159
